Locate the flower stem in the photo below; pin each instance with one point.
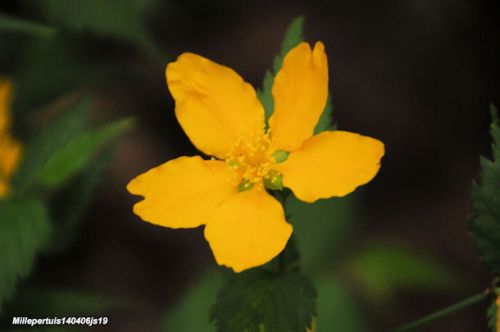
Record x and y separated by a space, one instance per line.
445 312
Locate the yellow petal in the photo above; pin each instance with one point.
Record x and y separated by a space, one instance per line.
300 90
248 230
498 312
5 91
214 105
4 188
182 193
333 163
10 155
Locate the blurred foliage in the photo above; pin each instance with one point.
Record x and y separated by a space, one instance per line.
21 26
54 181
383 269
24 230
69 56
69 205
63 148
337 307
484 220
52 159
121 19
54 56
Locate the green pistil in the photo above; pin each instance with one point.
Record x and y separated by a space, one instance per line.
280 156
274 180
245 185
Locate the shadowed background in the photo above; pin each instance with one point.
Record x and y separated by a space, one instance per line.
418 75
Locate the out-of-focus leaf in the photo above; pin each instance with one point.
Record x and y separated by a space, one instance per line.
17 25
24 230
65 127
70 203
383 269
63 148
121 19
337 308
192 314
484 220
319 228
72 157
492 316
259 300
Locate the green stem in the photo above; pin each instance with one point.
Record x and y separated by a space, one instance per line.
445 312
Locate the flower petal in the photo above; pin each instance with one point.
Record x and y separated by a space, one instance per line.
300 91
10 155
5 91
248 230
333 163
183 192
498 312
214 105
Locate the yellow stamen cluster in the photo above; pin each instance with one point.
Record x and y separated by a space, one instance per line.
252 160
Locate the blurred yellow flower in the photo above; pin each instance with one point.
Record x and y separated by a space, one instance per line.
10 149
222 116
498 312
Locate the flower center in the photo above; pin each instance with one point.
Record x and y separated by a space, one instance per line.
252 160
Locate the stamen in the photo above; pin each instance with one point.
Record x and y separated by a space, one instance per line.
252 160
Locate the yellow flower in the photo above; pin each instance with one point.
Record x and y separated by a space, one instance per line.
221 114
10 149
498 312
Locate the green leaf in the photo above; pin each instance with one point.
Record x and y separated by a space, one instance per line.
320 229
74 155
69 204
383 269
337 307
491 315
63 148
325 120
64 128
191 314
24 230
17 25
484 220
265 96
258 300
121 19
